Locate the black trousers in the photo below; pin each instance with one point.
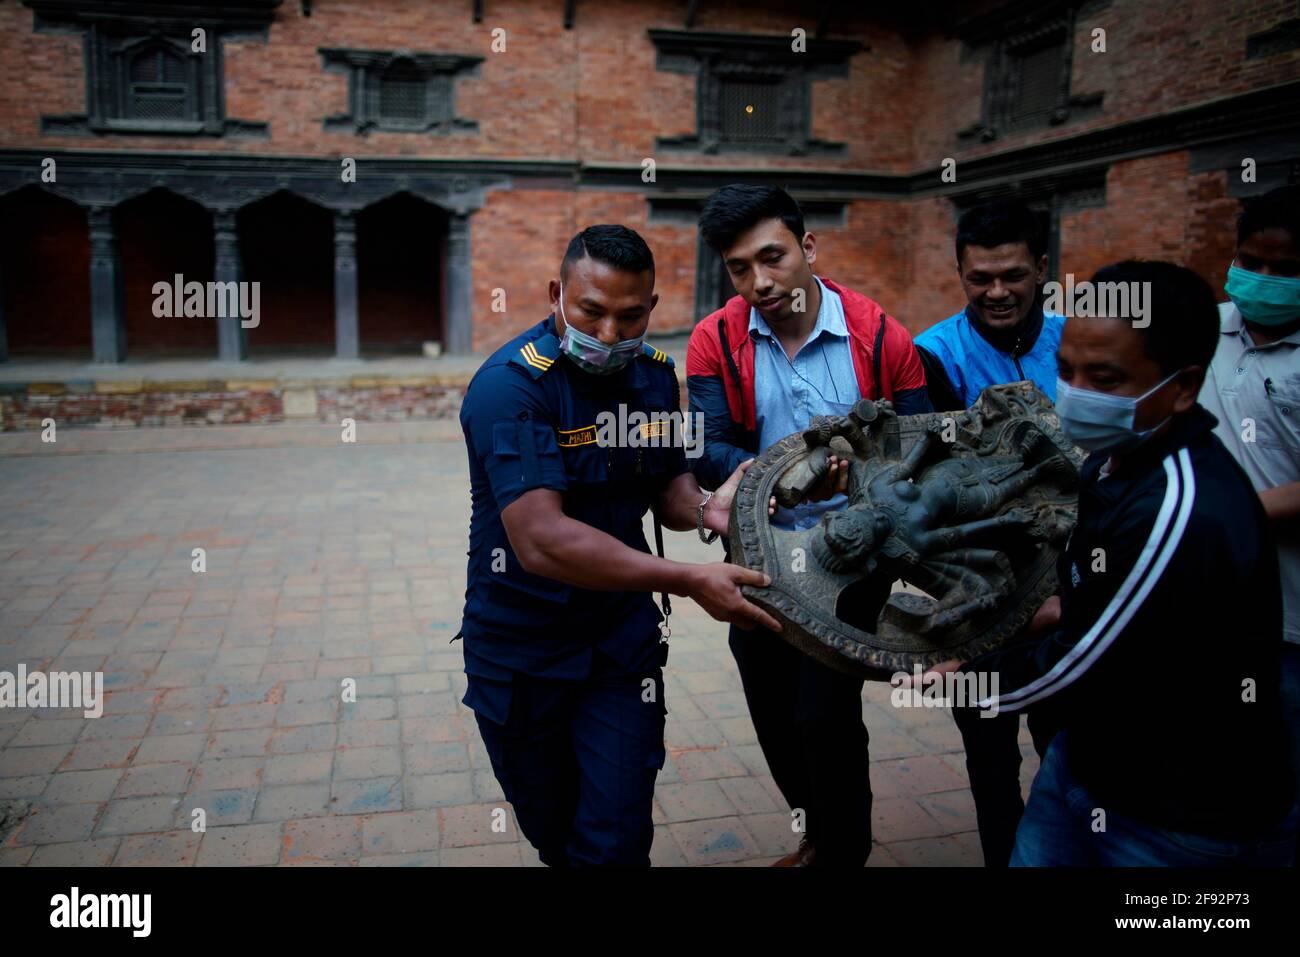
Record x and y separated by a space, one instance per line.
808 719
993 766
578 761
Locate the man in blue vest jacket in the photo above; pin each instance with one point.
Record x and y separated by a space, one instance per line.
1002 335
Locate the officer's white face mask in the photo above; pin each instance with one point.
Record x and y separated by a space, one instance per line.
592 355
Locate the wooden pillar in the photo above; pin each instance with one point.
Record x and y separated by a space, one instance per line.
107 312
232 340
457 287
347 342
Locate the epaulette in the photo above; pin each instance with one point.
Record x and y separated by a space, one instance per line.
658 355
538 355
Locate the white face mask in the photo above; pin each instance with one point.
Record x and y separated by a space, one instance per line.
1095 420
592 355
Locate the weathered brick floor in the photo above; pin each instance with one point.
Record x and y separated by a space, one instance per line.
327 561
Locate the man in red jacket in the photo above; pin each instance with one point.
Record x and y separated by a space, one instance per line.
791 346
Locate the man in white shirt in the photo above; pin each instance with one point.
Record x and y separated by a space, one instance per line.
1253 389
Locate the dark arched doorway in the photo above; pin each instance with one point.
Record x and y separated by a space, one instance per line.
287 245
45 275
162 235
399 275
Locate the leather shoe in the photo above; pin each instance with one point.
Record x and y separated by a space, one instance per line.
803 857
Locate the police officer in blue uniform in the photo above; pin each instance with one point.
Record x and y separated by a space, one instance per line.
562 644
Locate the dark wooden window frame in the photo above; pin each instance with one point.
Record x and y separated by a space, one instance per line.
1281 38
1005 41
367 72
1006 110
716 58
112 33
122 59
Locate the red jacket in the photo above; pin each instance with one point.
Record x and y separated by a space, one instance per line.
884 359
900 367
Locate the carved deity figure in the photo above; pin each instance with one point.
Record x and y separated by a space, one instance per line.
968 509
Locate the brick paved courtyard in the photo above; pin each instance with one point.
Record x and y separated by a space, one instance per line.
325 561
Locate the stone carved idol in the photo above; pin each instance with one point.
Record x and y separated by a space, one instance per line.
968 509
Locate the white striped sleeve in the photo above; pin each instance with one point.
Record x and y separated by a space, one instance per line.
1162 542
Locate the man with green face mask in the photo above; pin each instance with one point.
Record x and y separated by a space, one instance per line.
1253 389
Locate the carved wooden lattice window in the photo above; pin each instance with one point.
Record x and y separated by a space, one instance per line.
749 110
400 91
752 93
158 87
145 72
155 84
1028 82
1036 85
403 97
1027 69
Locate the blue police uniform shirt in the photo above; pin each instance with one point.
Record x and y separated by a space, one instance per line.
972 362
531 420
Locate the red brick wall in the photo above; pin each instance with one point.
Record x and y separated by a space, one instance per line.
1189 220
1161 55
1210 241
516 242
868 253
934 292
593 94
552 93
619 120
522 101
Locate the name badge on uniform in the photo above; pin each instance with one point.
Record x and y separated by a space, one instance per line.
570 438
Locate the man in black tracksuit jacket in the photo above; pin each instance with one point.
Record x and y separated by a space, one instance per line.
1164 665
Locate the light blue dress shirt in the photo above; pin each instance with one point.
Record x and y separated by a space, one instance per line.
787 394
